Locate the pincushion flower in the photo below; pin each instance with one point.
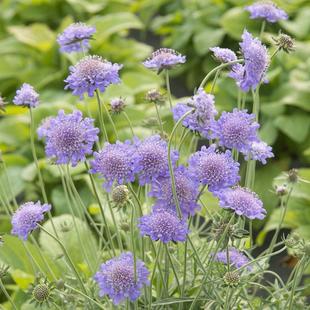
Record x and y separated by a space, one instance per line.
236 129
236 258
186 188
151 159
213 168
114 163
92 73
242 201
266 10
256 62
164 58
26 96
260 151
68 137
163 225
223 55
27 217
75 38
116 278
203 112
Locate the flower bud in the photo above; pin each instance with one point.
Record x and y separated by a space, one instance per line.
154 96
281 190
125 226
117 105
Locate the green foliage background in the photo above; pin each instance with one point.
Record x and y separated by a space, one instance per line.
125 32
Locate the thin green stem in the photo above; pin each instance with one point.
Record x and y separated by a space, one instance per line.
262 29
69 260
174 191
217 74
159 120
220 67
168 88
129 123
110 119
132 231
173 267
7 295
153 274
34 154
101 120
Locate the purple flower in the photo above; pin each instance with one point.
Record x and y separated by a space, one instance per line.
26 96
203 114
213 168
260 151
116 278
223 54
164 58
243 201
236 129
114 163
75 38
163 225
92 73
69 137
27 217
151 159
256 62
236 258
187 192
266 10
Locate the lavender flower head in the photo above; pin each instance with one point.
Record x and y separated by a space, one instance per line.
75 38
114 163
92 73
26 96
151 159
163 225
116 278
203 114
69 137
213 168
27 217
236 129
260 151
223 55
243 201
236 258
186 188
266 10
256 62
164 58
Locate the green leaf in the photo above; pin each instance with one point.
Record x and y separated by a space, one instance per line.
296 126
207 38
114 23
236 20
13 253
38 36
73 233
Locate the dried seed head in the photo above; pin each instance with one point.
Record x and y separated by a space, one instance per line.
293 176
120 195
41 292
231 278
117 105
285 43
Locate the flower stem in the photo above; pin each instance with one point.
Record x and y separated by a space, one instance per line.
101 120
7 295
129 123
70 262
34 154
132 231
174 191
173 267
168 89
159 121
220 67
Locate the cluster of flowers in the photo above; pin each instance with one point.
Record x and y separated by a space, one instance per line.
69 138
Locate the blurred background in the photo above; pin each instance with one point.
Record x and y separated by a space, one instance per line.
127 32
